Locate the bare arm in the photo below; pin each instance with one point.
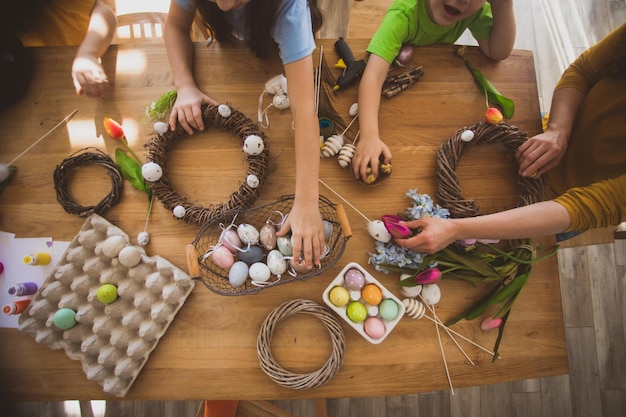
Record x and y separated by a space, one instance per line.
500 43
87 73
370 146
540 219
305 220
187 109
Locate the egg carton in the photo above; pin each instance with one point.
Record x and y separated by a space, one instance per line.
112 341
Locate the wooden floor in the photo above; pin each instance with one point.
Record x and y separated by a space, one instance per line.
592 276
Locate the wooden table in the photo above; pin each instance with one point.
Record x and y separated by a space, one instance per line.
209 351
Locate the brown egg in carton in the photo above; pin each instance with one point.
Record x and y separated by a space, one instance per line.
112 340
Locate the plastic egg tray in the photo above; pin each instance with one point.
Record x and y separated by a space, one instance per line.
112 341
372 310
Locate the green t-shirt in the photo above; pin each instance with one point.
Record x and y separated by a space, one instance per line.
407 22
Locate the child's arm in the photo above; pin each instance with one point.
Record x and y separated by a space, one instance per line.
370 146
499 44
87 72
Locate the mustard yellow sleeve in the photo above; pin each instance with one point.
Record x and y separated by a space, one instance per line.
600 204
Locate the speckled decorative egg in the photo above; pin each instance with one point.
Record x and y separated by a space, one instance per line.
238 274
298 266
371 294
259 272
151 171
356 311
267 236
230 239
374 327
251 255
129 256
467 135
276 262
161 127
107 293
112 246
224 110
354 279
378 231
143 238
64 318
354 109
388 309
253 145
179 212
328 229
339 296
252 181
223 257
248 234
284 245
431 294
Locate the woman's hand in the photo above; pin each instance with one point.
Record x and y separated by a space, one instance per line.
433 235
541 153
187 109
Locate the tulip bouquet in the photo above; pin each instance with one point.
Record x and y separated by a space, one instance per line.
476 262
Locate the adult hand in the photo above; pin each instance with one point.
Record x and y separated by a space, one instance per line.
307 233
368 153
89 77
434 234
541 153
187 109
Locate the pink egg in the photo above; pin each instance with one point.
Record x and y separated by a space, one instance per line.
354 279
230 239
223 257
374 327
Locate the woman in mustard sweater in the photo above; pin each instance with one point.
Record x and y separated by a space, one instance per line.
583 148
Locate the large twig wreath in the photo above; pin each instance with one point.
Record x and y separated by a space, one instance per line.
289 379
233 121
448 190
62 175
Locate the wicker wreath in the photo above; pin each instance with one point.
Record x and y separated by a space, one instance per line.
448 190
278 373
258 165
62 174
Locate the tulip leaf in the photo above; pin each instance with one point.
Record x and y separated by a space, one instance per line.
131 171
493 95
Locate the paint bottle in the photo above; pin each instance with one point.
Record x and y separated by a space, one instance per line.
23 288
39 258
16 307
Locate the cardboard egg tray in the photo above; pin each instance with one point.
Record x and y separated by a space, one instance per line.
112 341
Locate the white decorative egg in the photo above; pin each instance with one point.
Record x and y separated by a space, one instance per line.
238 274
467 135
378 231
414 308
143 238
160 127
431 294
224 110
253 145
129 256
328 229
354 109
4 172
332 145
151 171
112 246
284 245
276 262
248 234
179 212
346 153
252 181
281 101
259 272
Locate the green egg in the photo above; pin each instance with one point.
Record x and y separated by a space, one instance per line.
107 293
388 309
356 311
65 318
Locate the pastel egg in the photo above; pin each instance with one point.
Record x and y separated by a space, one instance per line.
377 230
112 245
354 279
328 229
129 256
276 262
259 272
224 110
238 274
160 127
248 234
371 294
252 181
179 212
222 257
251 255
253 145
64 318
267 236
107 293
151 171
284 245
230 239
339 296
143 238
431 294
374 327
356 311
388 309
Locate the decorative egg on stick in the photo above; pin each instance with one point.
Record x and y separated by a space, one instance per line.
333 144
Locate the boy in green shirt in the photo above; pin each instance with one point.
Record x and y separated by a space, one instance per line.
419 23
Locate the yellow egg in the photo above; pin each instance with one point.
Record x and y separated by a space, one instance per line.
339 296
107 293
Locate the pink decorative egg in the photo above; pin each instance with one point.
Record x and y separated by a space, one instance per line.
374 327
354 279
223 257
230 239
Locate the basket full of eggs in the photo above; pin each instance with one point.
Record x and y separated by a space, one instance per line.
238 252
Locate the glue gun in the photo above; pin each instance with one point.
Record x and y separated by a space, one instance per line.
354 69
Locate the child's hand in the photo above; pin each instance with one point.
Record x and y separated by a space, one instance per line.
187 109
89 77
368 154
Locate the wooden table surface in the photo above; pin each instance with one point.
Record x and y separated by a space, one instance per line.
209 351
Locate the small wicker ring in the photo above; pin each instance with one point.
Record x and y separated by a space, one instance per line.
258 165
278 373
448 191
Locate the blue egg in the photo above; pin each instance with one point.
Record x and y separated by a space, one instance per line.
388 309
238 274
252 255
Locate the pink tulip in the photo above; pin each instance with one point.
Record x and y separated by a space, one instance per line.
393 226
491 323
428 276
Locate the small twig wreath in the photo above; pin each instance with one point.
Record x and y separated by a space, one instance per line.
62 174
278 373
448 190
258 165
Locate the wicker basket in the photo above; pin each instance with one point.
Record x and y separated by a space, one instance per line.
216 278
